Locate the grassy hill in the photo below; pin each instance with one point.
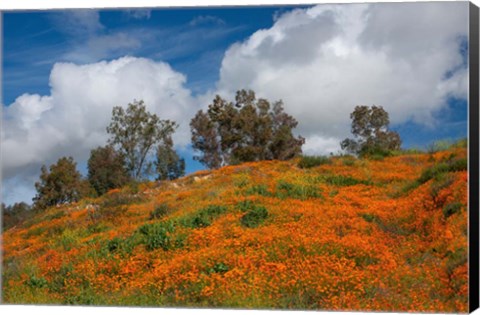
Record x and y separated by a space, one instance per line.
349 234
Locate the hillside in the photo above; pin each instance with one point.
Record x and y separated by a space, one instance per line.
350 234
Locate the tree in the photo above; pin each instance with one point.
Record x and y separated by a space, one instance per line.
15 214
205 139
62 183
106 169
136 132
168 164
370 130
247 130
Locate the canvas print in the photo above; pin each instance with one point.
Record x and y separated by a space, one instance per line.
296 157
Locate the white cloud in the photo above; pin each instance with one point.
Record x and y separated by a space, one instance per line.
325 60
139 14
84 22
72 119
205 20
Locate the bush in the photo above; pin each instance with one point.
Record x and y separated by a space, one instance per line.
158 235
160 211
245 205
36 282
219 267
261 190
369 217
120 198
288 190
451 209
254 217
348 160
205 216
121 246
444 167
312 161
340 180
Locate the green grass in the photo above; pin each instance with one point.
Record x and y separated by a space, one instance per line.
261 190
254 217
451 209
158 235
340 180
204 217
313 161
438 172
160 211
301 192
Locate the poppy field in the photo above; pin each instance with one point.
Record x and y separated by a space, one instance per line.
336 233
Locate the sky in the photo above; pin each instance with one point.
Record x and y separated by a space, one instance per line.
64 70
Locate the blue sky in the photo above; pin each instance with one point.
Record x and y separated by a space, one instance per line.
64 70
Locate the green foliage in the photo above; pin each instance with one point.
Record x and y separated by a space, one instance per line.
135 132
371 134
456 259
123 246
443 167
106 169
62 183
160 211
15 214
204 217
158 235
36 282
340 180
261 190
218 267
348 160
312 161
440 182
369 217
254 217
439 145
301 192
451 209
247 130
120 198
245 205
168 164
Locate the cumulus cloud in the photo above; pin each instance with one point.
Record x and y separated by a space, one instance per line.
72 119
325 60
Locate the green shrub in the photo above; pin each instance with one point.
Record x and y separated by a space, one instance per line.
375 153
261 190
288 190
444 167
340 180
56 215
204 217
348 161
245 205
122 246
441 182
456 259
160 211
119 199
254 217
158 235
36 282
369 217
451 209
312 161
219 267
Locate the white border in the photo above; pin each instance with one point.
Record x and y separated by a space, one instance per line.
15 5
